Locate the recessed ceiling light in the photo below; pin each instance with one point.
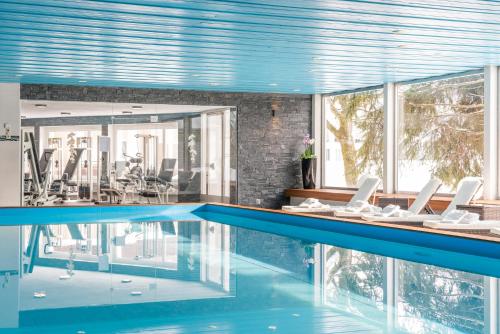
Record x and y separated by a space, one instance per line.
296 90
40 105
82 81
273 84
126 112
65 113
195 75
137 107
19 75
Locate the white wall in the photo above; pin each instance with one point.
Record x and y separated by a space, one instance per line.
10 195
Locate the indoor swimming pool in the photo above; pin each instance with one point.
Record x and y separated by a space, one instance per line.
223 269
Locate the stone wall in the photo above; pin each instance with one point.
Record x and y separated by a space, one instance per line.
268 147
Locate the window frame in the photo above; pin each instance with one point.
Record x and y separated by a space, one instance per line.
395 87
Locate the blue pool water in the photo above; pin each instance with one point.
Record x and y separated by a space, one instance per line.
217 269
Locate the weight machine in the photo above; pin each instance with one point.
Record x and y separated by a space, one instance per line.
36 187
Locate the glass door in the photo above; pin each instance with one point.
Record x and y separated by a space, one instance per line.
215 154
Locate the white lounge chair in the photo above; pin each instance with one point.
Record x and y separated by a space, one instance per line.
467 189
367 188
415 208
459 220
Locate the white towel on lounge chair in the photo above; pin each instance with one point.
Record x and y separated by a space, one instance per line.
467 189
309 205
485 225
462 220
357 212
495 230
456 217
393 212
355 209
367 188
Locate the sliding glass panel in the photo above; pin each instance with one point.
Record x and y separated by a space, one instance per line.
440 131
354 134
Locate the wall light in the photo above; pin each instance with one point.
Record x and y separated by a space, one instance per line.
275 106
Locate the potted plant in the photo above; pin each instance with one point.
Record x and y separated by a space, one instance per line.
308 163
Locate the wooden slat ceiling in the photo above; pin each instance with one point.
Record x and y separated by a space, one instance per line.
287 46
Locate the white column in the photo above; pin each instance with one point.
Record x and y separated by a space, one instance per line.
10 195
390 143
203 152
491 119
317 134
491 305
10 145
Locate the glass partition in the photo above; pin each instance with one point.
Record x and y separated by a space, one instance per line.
139 156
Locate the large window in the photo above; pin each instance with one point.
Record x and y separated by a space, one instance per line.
440 131
353 137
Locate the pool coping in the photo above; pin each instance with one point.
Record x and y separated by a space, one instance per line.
463 235
428 230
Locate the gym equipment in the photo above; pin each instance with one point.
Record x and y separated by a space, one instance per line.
36 186
56 166
160 185
63 187
103 173
84 170
150 153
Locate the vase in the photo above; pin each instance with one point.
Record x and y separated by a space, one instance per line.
309 173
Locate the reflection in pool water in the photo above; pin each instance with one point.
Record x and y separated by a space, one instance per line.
193 276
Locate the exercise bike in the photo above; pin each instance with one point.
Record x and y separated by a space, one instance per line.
132 178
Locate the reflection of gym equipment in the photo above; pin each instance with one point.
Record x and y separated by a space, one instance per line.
63 187
189 182
159 186
36 186
189 186
37 231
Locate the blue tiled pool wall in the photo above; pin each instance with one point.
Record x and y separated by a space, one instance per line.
404 237
364 237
